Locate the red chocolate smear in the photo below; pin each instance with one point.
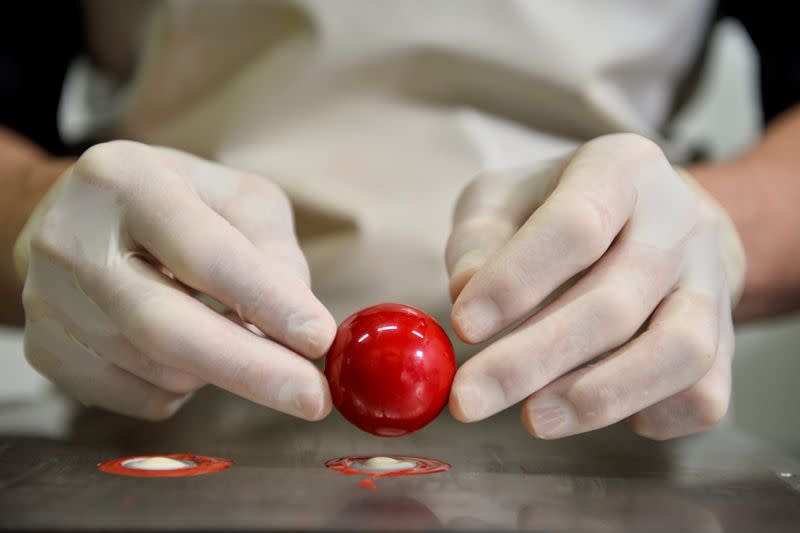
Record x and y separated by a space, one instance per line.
368 483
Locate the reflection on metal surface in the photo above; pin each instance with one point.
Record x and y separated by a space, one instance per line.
643 511
501 478
791 480
381 513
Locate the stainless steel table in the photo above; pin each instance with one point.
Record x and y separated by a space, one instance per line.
501 478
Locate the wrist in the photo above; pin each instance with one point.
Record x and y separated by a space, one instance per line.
732 251
21 188
756 191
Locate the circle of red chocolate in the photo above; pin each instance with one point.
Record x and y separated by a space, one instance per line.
202 465
390 369
351 465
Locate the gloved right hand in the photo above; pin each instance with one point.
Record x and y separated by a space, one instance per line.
113 258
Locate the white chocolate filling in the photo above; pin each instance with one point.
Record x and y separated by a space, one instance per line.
157 463
386 464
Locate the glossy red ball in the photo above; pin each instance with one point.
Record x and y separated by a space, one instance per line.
389 369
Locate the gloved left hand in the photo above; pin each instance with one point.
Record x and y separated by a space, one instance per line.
625 273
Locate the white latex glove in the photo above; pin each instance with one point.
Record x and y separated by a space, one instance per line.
112 258
625 265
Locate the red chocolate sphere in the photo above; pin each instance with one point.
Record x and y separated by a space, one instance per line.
390 369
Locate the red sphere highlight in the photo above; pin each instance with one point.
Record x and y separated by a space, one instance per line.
389 369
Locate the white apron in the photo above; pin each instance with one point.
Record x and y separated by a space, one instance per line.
373 115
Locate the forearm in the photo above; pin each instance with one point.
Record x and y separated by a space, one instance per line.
26 173
761 192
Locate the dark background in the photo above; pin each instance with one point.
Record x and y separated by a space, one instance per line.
38 40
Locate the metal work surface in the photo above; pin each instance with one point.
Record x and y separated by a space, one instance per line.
501 478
